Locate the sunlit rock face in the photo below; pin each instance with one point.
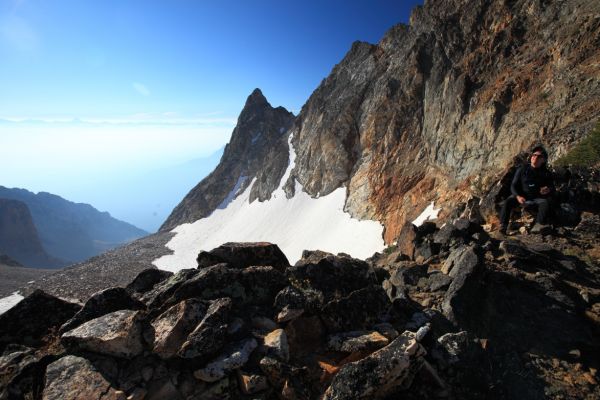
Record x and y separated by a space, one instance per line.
435 111
438 108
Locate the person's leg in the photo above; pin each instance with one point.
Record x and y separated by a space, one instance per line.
507 207
543 206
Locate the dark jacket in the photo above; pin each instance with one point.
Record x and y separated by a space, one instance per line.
528 181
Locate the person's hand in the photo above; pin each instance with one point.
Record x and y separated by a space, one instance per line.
545 190
521 199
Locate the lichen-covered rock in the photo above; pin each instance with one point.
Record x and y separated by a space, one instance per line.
33 317
118 334
331 276
16 362
146 280
355 341
248 286
171 328
360 310
101 303
383 372
163 290
242 255
233 357
75 378
210 334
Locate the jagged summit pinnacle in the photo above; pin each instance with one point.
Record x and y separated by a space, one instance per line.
256 98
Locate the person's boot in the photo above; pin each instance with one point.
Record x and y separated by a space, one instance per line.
541 229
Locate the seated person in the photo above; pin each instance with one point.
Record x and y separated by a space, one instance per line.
531 185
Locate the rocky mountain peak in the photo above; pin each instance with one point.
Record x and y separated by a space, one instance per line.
257 151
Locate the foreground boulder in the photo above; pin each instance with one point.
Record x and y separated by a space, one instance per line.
101 303
34 317
75 378
243 255
389 369
116 334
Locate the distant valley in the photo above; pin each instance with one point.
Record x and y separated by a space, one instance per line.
46 231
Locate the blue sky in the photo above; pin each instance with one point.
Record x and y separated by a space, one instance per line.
163 79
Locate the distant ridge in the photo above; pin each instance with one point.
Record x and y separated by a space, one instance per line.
72 231
19 238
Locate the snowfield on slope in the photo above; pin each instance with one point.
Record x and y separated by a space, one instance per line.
295 224
6 303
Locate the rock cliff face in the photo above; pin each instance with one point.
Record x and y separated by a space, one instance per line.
440 107
434 112
19 237
258 149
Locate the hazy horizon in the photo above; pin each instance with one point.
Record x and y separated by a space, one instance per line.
97 95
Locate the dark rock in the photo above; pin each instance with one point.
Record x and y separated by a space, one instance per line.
252 285
242 255
172 327
466 227
567 215
262 284
34 317
330 275
118 334
210 283
426 250
290 298
304 334
361 309
407 239
101 303
147 279
210 334
437 281
387 370
355 341
465 290
523 257
454 344
426 228
462 257
293 382
75 378
234 356
163 290
15 366
445 235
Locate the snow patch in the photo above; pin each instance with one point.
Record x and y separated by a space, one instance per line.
233 193
6 303
294 224
429 213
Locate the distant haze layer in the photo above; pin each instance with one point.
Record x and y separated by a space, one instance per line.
136 170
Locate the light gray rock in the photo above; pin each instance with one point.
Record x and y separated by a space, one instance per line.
116 334
171 328
276 344
75 378
390 368
233 357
